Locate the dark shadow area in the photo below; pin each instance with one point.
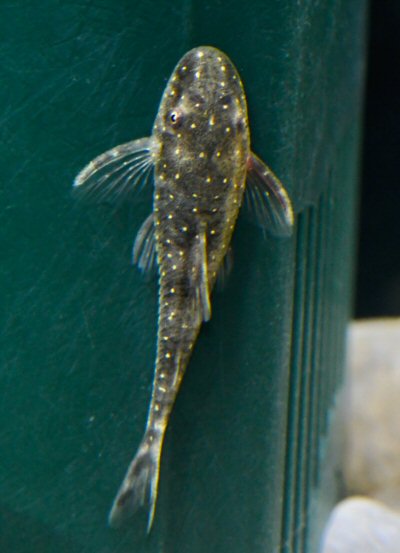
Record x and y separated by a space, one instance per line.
378 276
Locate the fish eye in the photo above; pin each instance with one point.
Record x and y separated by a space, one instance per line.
175 118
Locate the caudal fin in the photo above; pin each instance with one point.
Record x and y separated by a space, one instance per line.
139 485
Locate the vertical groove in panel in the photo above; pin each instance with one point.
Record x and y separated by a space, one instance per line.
326 361
298 522
315 364
318 352
334 301
321 355
289 521
312 436
316 361
305 395
337 324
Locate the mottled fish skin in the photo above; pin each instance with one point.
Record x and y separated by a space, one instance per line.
200 151
200 147
200 176
200 173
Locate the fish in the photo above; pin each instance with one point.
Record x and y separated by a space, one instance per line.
203 170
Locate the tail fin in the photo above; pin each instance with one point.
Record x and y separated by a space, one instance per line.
140 484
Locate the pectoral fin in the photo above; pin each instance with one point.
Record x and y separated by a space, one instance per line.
267 199
113 173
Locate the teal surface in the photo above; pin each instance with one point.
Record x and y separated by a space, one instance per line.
248 462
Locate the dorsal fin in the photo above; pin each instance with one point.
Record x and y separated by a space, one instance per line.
200 283
203 284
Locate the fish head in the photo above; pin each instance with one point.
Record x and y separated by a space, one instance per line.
202 119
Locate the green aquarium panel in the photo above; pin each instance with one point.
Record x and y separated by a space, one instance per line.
252 451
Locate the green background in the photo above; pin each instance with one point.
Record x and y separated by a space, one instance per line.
249 463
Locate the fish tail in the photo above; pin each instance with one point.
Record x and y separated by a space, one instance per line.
140 484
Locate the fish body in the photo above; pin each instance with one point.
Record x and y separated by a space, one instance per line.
200 152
